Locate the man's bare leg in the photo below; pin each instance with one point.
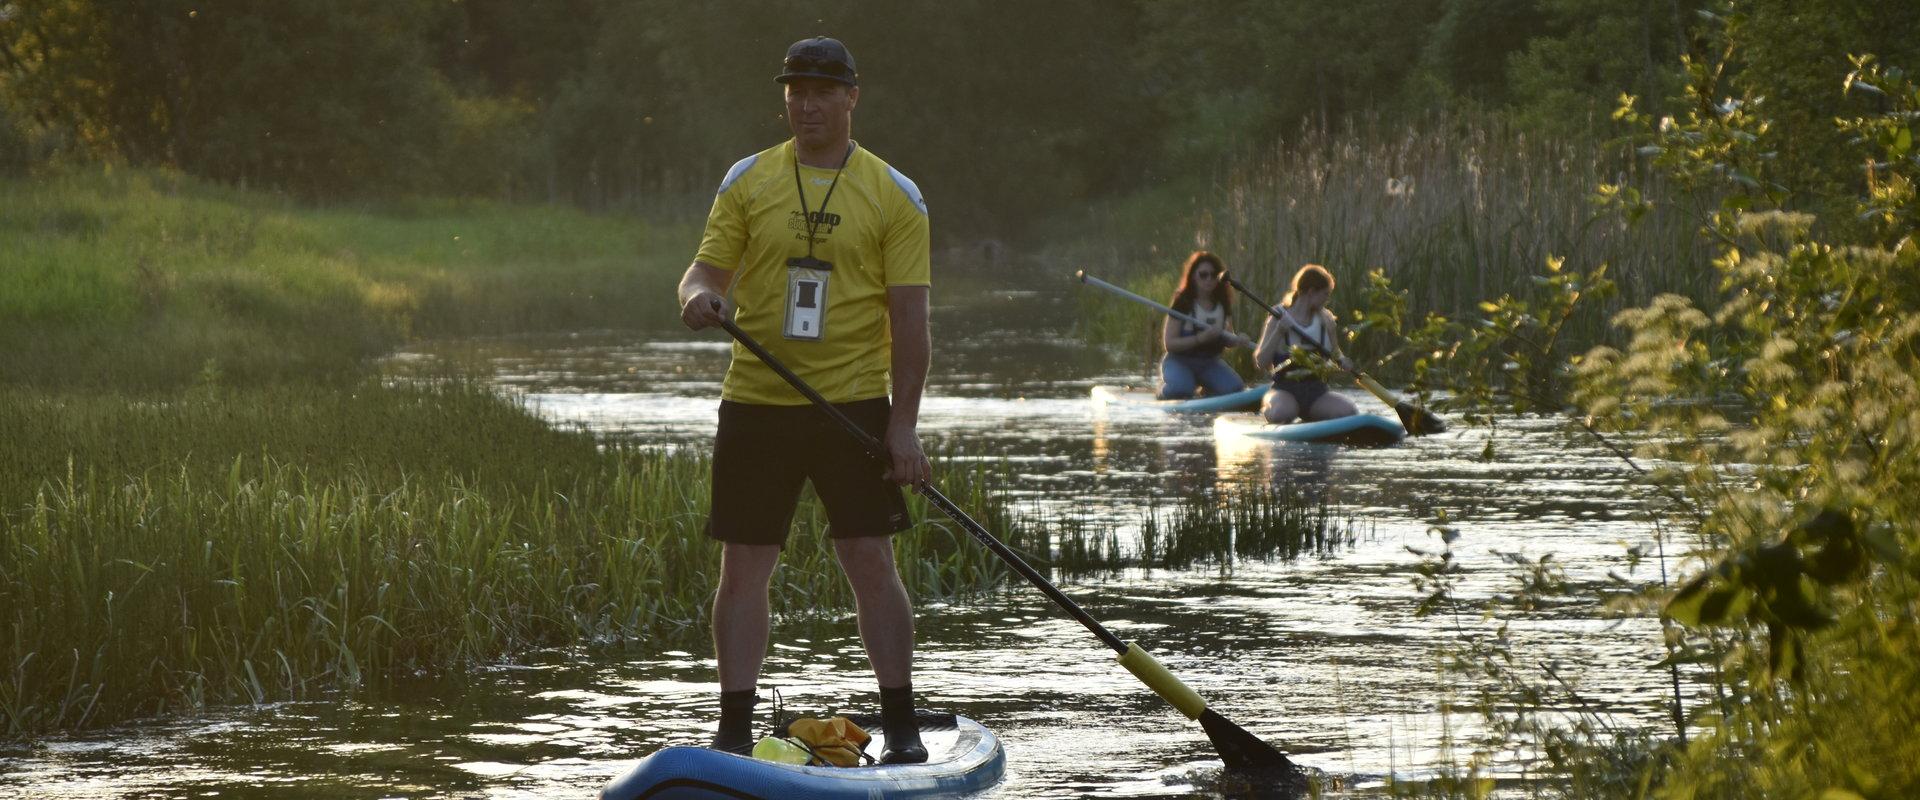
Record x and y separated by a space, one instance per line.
886 629
741 622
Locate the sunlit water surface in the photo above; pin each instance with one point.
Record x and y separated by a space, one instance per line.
1323 656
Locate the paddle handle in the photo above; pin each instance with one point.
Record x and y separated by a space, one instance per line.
1183 317
927 490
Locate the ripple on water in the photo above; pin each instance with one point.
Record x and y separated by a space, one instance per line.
1323 656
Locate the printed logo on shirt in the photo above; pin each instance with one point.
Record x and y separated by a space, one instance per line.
823 222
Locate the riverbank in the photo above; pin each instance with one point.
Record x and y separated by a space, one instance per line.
142 280
210 497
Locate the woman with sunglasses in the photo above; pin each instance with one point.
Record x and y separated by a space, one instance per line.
1193 359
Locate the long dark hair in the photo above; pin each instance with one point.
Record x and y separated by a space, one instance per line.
1222 293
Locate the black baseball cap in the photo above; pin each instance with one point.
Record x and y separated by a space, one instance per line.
819 57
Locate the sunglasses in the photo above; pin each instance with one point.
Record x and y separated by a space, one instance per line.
817 66
1205 274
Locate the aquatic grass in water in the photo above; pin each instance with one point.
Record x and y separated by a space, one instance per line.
1247 522
254 545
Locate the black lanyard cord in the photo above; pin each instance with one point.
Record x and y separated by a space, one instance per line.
811 223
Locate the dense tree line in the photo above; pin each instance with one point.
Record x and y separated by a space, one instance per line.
1004 110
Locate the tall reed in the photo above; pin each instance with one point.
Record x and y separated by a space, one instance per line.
1453 211
239 555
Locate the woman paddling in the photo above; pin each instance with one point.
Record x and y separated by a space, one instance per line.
1193 352
1302 321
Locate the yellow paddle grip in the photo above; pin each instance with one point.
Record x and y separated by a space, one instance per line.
1162 682
1377 390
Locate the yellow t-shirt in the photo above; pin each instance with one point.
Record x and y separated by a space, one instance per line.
874 231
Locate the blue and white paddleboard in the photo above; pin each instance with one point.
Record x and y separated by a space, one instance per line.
963 759
1366 430
1244 400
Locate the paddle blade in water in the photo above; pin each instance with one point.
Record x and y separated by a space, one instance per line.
1242 750
1419 421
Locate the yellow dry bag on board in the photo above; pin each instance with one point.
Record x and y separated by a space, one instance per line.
834 741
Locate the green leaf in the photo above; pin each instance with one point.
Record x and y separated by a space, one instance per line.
1715 605
1837 555
1795 608
1837 793
1684 608
1783 652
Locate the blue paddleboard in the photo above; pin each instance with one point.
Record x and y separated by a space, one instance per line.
1367 430
1243 400
963 758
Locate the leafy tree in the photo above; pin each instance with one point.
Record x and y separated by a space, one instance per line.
1231 76
1569 79
315 96
1468 47
1789 52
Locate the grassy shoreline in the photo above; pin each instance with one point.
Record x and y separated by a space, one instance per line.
208 497
251 545
145 280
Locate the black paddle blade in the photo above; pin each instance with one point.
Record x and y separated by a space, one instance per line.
1242 750
1419 421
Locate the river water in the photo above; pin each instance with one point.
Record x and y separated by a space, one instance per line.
1323 656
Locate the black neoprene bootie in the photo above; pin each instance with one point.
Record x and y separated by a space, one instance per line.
901 728
736 722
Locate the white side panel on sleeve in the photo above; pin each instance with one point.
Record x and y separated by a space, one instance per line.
739 168
906 185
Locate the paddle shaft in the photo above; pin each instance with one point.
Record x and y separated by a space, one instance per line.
1238 748
1183 317
933 495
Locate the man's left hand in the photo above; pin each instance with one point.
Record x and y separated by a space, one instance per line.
908 464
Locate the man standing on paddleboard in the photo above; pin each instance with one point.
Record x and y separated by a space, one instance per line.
819 249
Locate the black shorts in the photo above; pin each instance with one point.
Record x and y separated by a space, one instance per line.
763 454
1305 392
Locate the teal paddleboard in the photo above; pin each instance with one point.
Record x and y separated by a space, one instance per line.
1243 400
1366 430
964 759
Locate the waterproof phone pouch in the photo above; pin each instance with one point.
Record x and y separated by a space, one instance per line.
807 298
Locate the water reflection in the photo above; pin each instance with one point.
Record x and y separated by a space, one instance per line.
1305 466
1321 655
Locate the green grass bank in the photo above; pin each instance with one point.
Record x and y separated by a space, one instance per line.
208 496
259 544
137 280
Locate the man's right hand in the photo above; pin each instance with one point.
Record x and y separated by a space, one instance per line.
704 310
